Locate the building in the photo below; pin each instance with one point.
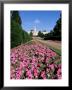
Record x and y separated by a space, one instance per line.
35 31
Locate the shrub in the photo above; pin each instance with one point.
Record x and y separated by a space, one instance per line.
16 34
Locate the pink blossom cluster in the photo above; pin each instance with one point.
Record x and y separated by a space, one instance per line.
33 62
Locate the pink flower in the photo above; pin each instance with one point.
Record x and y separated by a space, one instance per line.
18 74
59 72
31 58
47 70
38 65
21 65
51 66
43 75
29 74
35 72
32 67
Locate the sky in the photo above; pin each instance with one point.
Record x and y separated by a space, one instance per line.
42 20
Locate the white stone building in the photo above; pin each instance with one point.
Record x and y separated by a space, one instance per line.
35 31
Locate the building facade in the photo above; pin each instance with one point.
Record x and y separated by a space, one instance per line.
35 32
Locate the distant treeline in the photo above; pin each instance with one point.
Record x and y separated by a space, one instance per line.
18 35
54 34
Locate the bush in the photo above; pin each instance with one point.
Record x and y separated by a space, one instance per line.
26 37
52 37
16 34
55 34
40 34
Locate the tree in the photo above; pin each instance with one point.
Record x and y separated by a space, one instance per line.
26 36
31 34
16 31
40 34
15 16
18 35
57 29
55 34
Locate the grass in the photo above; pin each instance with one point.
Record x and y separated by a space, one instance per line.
54 59
58 62
58 51
55 50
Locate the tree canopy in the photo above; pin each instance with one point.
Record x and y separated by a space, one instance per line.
40 34
18 35
55 34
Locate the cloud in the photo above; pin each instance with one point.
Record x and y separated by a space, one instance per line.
37 21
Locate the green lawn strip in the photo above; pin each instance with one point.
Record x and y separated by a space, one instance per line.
55 50
53 59
58 51
58 62
52 48
29 42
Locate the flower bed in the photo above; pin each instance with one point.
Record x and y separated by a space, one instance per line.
34 61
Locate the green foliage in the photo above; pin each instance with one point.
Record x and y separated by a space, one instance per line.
18 35
58 62
26 36
40 34
55 34
31 34
15 16
58 51
57 29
